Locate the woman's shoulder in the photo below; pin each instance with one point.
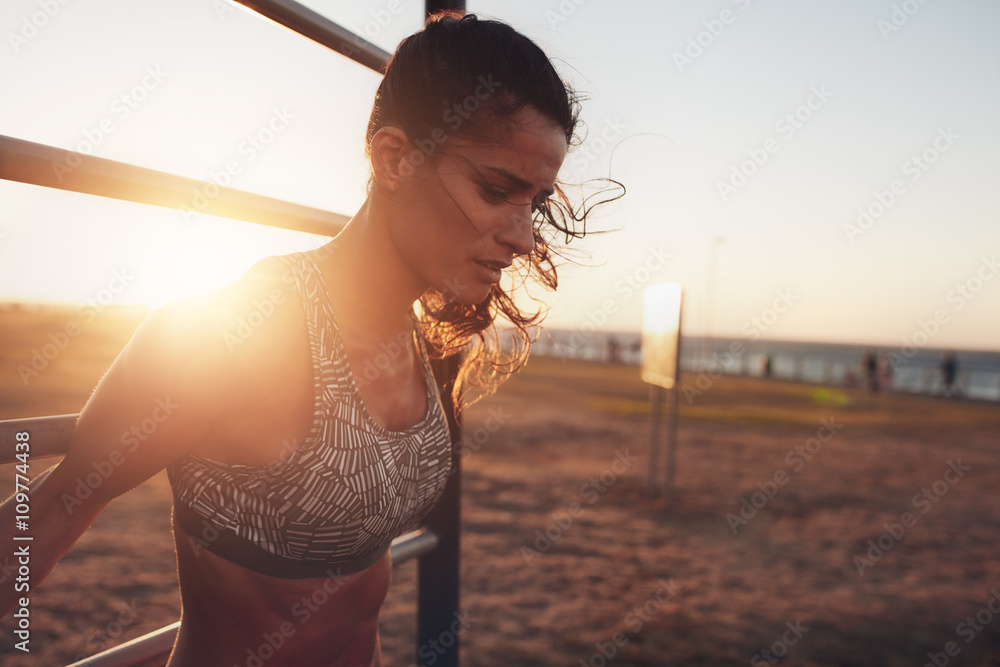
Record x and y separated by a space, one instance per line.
214 312
241 328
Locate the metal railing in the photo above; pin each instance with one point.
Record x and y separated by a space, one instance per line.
436 544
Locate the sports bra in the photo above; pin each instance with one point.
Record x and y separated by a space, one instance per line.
335 502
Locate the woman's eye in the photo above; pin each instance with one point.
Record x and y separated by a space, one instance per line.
493 194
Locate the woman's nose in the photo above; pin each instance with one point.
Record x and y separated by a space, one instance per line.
517 233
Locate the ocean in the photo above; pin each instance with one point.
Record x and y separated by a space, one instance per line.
902 369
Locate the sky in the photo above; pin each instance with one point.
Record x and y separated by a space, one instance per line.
806 171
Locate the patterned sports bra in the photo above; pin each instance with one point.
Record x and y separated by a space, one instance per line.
335 502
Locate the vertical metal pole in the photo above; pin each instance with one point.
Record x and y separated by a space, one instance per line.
710 299
672 446
655 403
438 571
672 432
433 6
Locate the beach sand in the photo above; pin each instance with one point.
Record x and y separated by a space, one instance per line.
562 449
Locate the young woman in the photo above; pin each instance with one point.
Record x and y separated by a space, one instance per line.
294 458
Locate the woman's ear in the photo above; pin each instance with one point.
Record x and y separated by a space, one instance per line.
390 155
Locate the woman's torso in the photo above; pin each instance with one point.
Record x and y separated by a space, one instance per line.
231 613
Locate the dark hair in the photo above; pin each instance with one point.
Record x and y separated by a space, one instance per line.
463 76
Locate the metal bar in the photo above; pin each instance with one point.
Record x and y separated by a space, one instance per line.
47 436
149 650
655 407
152 649
321 30
412 545
38 164
438 581
672 433
434 6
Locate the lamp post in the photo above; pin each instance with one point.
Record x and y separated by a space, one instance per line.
713 248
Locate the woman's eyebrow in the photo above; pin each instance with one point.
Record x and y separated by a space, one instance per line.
517 180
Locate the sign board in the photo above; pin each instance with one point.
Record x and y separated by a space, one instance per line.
661 335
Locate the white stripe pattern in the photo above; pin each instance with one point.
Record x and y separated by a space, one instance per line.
351 487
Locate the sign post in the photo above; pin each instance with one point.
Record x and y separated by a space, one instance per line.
661 356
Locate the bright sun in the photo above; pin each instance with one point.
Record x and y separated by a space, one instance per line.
207 258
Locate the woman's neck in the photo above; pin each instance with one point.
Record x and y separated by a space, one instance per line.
371 287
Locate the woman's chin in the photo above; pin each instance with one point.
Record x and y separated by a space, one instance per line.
469 295
475 295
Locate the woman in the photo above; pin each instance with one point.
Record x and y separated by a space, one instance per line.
295 458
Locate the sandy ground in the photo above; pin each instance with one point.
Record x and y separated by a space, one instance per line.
564 559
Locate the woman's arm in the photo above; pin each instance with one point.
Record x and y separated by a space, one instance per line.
156 401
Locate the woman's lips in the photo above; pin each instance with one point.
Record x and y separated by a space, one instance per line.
490 272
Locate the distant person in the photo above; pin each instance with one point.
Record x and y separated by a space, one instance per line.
869 370
765 365
884 372
949 370
614 350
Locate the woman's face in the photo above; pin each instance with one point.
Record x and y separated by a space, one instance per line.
468 211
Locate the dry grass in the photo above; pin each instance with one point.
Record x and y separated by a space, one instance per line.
793 561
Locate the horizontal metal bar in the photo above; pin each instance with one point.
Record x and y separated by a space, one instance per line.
38 164
151 650
320 29
414 544
47 436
